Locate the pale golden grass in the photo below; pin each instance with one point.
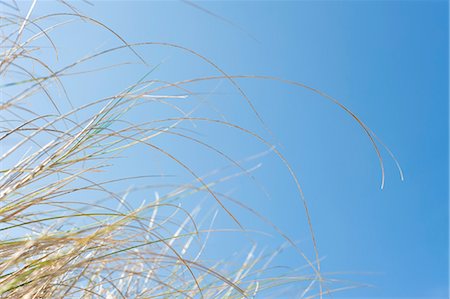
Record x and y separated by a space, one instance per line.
57 246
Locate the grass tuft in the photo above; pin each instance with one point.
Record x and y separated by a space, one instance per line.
68 229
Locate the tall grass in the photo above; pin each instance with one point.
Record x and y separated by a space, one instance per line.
68 232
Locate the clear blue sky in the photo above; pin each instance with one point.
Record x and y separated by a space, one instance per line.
385 60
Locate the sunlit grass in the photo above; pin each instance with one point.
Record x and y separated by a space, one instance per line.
66 233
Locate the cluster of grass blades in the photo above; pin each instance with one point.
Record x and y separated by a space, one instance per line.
68 234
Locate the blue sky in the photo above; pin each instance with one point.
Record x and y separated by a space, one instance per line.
385 60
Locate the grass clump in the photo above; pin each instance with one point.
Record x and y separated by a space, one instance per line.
68 227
